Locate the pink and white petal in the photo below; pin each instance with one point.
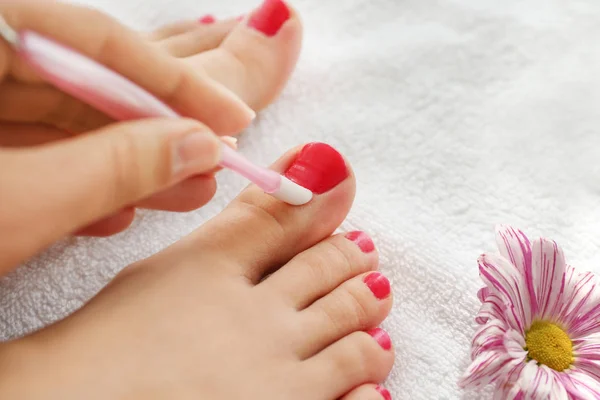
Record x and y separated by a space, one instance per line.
587 348
487 338
483 370
514 345
514 245
583 319
483 293
580 386
590 367
508 392
493 308
558 389
579 289
505 281
549 269
536 381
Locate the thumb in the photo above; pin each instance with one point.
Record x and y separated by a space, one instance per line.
50 191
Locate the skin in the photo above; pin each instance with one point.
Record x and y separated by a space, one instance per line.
197 316
218 74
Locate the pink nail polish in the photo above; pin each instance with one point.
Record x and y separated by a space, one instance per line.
383 392
207 19
362 240
318 167
378 284
270 17
381 337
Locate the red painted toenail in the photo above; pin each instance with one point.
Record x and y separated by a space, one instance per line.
362 240
381 337
384 393
269 17
207 19
318 167
379 285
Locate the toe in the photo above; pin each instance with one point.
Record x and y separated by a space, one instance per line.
358 304
357 359
174 29
202 37
256 59
179 27
368 392
258 233
319 270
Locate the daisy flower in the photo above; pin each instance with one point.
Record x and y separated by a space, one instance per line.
540 324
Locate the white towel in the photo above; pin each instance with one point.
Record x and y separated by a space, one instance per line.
455 114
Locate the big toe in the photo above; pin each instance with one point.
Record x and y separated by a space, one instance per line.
257 57
257 233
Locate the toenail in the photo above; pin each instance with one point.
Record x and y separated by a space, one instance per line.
207 19
318 167
269 18
384 392
362 240
379 285
381 337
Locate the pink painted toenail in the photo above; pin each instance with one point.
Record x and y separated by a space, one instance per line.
384 393
207 19
381 337
318 167
362 240
270 17
379 285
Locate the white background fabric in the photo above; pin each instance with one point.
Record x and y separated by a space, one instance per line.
456 115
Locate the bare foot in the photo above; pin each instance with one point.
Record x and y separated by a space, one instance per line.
259 303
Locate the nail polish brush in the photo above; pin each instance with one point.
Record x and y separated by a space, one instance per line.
121 99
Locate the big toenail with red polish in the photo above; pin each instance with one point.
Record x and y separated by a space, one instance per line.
378 284
362 240
207 19
381 337
269 18
318 167
384 392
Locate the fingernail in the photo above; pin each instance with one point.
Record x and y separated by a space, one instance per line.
318 167
207 19
383 392
230 141
195 152
381 337
240 18
269 18
378 284
362 240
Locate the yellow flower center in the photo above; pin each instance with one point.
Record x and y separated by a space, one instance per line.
549 344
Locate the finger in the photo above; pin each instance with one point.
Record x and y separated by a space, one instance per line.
198 40
54 190
179 27
102 38
23 102
24 135
110 225
189 194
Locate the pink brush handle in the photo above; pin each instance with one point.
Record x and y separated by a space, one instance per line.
116 96
89 81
